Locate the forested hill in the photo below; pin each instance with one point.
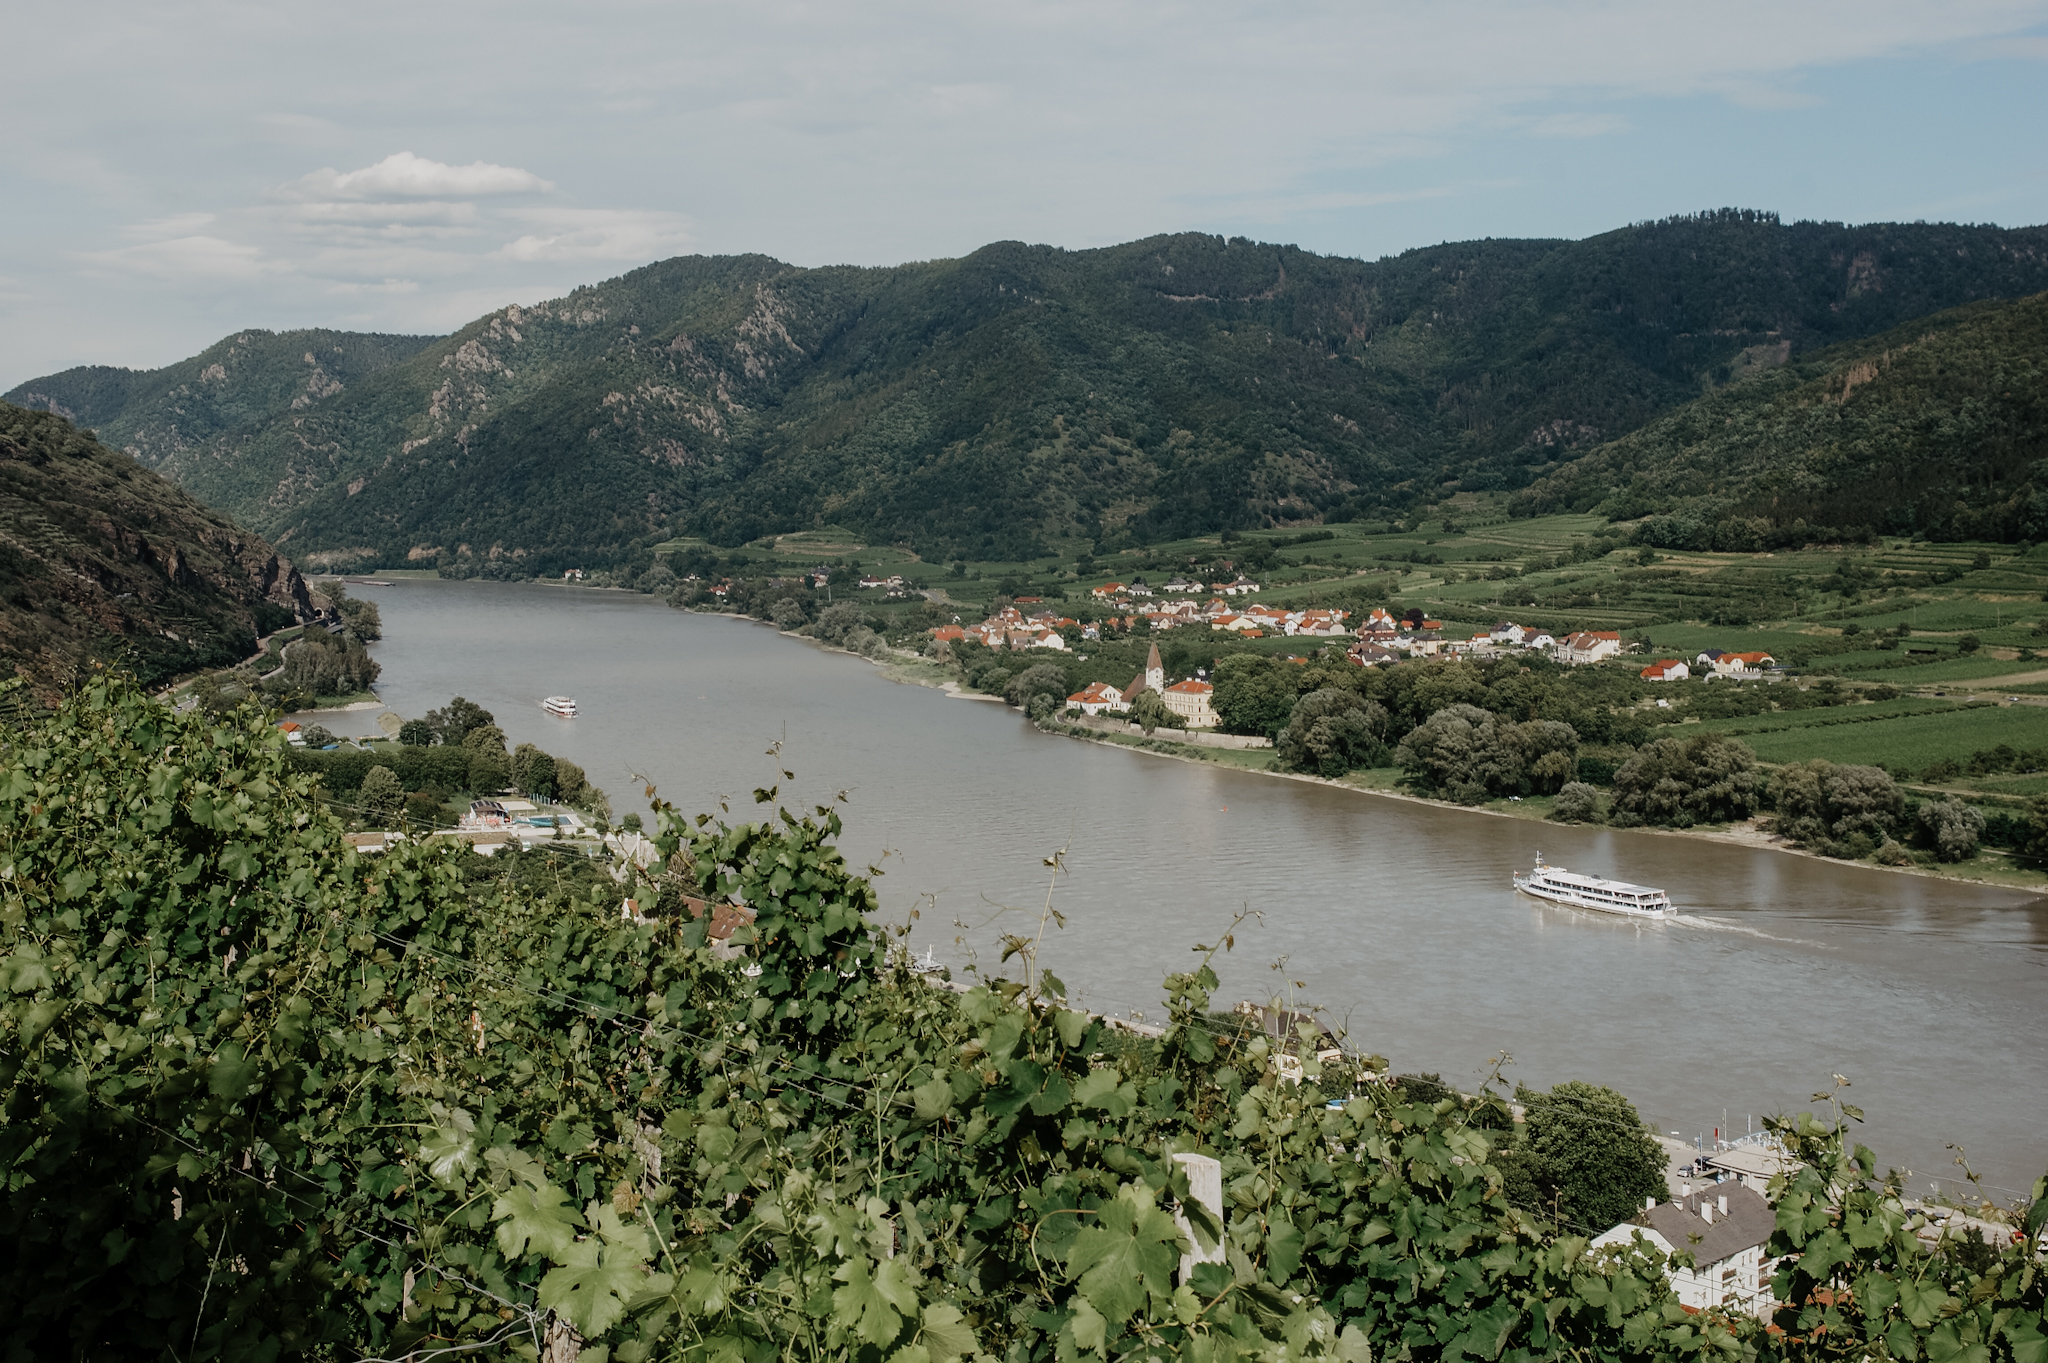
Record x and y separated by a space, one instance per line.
1940 426
250 377
103 560
1024 394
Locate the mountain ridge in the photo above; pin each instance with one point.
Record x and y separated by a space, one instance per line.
103 561
1023 395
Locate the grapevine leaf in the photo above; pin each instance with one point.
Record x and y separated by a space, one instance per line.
1133 1248
538 1217
1091 1331
1098 1085
946 1333
869 1303
592 1284
450 1151
934 1100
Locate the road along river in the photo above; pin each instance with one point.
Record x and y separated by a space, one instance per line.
1398 917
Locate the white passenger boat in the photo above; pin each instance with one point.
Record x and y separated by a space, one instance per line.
1560 886
561 707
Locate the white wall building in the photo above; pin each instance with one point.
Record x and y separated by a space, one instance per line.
1724 1226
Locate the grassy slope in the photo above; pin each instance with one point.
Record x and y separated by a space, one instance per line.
1024 398
103 560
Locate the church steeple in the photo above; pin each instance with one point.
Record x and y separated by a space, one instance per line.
1155 671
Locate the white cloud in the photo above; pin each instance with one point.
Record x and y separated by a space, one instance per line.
902 129
598 234
406 174
188 259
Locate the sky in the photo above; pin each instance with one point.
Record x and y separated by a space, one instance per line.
173 172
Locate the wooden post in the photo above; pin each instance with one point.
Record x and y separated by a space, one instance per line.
1205 1182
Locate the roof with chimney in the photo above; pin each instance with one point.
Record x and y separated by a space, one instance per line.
1684 1223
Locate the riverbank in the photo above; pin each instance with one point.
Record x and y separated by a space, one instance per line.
1991 867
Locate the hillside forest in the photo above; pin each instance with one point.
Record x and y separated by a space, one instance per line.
1024 400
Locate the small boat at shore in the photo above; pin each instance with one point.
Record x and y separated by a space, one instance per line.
561 707
1560 886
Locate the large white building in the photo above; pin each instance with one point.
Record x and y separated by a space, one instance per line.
1724 1226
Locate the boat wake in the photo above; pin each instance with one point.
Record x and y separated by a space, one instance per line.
1705 924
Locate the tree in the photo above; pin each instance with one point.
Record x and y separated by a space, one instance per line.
1254 695
1468 754
1968 644
2035 845
1576 802
454 721
324 664
1040 679
1586 1157
416 733
485 738
788 613
534 772
1839 809
1683 781
838 620
490 770
538 779
1952 827
1149 712
1332 731
380 794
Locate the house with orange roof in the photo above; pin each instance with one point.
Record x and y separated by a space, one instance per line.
1666 669
946 634
1193 701
1107 590
1741 665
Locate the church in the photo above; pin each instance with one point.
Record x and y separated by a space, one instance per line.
1192 700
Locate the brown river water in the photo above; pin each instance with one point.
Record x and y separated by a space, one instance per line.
1396 917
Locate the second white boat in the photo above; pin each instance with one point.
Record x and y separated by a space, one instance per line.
1560 886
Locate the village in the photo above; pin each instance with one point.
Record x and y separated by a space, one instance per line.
1382 638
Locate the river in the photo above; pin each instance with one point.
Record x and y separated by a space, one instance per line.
1397 917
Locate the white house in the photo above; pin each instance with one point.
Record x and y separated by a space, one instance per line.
1588 646
1508 632
1724 1226
1667 669
1096 697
